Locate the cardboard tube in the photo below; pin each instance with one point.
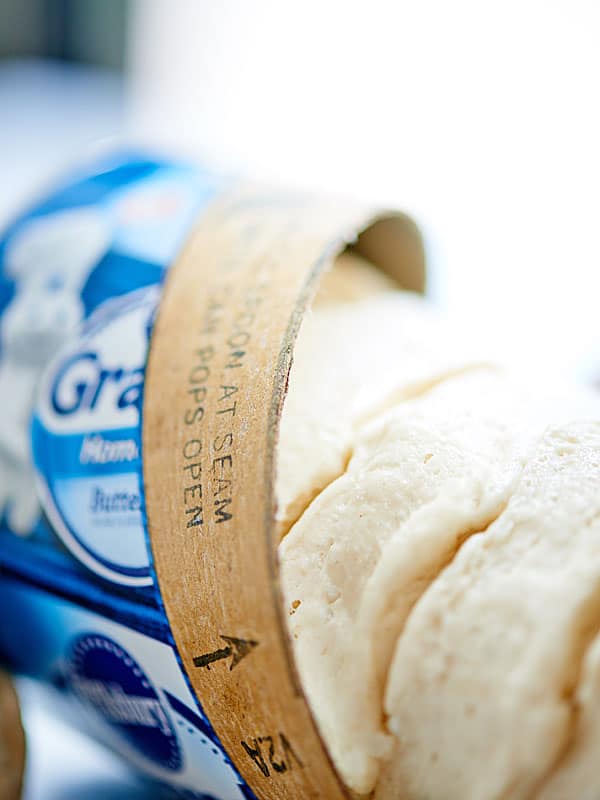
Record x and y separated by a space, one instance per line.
216 379
12 742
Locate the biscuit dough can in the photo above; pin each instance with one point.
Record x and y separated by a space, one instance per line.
148 313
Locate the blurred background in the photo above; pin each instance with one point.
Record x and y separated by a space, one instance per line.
480 119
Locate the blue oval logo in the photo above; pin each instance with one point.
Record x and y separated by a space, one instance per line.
104 677
85 439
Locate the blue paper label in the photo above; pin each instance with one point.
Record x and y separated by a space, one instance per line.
123 687
80 281
85 440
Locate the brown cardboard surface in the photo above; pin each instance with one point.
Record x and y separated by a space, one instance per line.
12 742
216 378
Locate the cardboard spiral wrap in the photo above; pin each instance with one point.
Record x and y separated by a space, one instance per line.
215 385
12 742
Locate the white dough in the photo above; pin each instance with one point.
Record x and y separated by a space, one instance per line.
369 349
577 774
478 694
440 560
424 477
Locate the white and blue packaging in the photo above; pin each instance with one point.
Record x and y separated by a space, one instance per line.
80 280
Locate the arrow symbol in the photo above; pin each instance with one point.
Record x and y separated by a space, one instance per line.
238 648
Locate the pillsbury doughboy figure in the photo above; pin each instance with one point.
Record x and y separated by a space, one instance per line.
50 259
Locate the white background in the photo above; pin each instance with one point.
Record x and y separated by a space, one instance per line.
481 118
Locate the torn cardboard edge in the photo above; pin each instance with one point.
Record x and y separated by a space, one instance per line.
12 742
216 380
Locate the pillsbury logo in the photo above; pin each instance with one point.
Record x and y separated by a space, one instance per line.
86 440
106 679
